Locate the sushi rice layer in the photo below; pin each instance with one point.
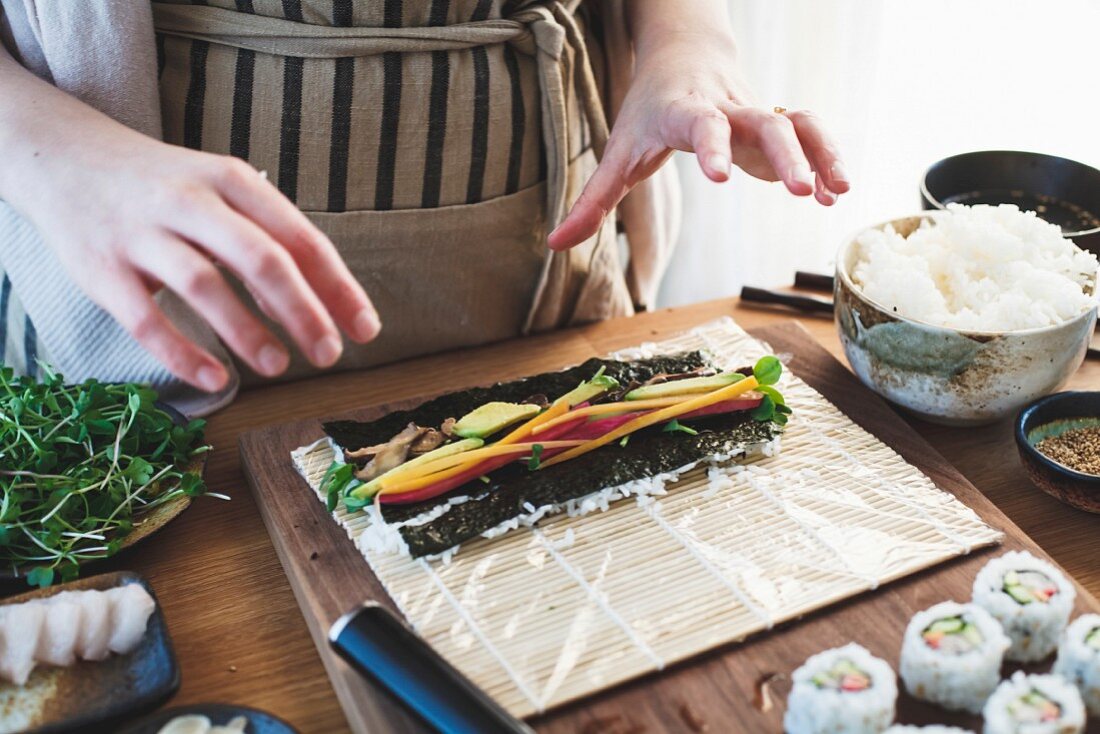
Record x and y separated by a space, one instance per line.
1079 663
999 718
815 710
1034 627
956 681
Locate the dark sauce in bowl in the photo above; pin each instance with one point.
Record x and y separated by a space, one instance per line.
1067 215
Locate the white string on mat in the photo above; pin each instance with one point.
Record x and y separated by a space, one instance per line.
599 598
481 636
653 510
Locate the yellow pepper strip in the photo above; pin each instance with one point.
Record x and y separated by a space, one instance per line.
603 408
658 416
556 408
464 460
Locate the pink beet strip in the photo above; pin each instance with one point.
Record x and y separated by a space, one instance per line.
726 406
446 485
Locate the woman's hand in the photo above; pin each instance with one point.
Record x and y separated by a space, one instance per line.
686 95
127 214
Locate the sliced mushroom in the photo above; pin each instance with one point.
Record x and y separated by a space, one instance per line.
391 455
670 377
448 427
429 440
538 399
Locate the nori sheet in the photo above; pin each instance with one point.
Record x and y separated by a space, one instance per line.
647 453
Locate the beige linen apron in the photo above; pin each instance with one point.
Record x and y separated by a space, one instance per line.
436 143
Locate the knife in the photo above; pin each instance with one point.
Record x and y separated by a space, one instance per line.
384 649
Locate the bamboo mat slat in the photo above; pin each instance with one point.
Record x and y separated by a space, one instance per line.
537 620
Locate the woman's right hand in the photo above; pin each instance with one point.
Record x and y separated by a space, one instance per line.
127 214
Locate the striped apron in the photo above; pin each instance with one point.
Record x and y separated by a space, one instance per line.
436 142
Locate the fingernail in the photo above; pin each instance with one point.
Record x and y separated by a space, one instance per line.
719 164
801 173
366 325
211 379
273 359
326 351
839 173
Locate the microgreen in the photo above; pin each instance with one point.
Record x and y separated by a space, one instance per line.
624 441
674 426
535 460
79 464
767 370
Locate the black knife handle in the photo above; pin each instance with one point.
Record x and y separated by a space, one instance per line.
813 281
380 646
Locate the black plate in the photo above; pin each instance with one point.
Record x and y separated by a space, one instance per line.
1050 416
86 695
259 722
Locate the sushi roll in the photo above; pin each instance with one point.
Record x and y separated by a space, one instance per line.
930 729
1079 659
1030 598
1034 704
845 690
951 655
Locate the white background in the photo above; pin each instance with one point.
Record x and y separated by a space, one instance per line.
902 83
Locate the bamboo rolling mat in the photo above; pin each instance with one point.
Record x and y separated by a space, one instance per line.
542 616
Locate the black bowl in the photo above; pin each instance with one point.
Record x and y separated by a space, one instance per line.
1060 190
1050 416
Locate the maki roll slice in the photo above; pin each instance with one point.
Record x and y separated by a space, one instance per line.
930 729
1079 659
845 690
1035 704
1030 598
951 655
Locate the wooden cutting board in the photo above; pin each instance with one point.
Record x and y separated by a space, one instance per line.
738 688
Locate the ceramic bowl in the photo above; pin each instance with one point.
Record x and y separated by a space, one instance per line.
948 375
1051 416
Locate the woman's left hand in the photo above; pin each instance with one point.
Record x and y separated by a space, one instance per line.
686 95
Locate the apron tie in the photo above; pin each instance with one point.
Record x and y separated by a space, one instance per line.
544 31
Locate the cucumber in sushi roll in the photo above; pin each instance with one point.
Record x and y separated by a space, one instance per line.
951 655
1079 659
1030 598
845 690
930 729
1035 704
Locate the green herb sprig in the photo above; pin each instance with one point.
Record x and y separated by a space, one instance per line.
79 464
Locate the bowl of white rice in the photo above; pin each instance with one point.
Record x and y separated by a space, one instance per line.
963 316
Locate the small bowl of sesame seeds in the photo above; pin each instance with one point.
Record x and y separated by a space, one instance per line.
1059 442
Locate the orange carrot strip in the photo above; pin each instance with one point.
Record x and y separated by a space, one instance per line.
657 416
464 460
621 407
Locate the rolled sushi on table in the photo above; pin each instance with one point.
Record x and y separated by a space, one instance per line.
951 655
1079 659
1035 704
845 690
1030 598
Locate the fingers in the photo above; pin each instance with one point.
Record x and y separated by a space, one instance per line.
122 294
267 268
710 139
603 191
317 258
822 193
821 151
195 279
774 135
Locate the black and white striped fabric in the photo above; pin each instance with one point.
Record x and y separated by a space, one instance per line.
395 130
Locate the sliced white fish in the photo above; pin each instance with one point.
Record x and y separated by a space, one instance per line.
95 623
60 631
189 724
131 606
19 632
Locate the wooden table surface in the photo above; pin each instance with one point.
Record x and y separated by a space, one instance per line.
233 619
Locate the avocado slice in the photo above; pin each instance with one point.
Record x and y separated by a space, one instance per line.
1020 593
598 385
1092 639
949 625
687 386
368 490
972 634
1011 578
489 418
